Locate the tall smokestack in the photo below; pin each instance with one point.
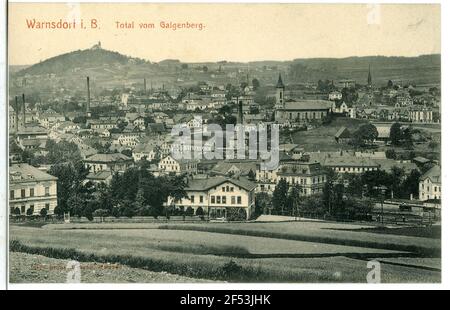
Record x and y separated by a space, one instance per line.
16 108
23 110
240 113
88 103
145 86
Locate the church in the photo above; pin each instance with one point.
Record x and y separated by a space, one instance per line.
293 113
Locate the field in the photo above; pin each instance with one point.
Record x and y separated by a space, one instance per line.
322 138
241 252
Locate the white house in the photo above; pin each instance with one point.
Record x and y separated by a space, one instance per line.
170 165
219 197
430 184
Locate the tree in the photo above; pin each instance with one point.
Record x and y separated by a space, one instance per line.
61 152
255 84
262 203
396 134
433 145
411 184
189 211
43 212
293 199
71 177
368 132
251 175
29 211
279 197
200 213
391 154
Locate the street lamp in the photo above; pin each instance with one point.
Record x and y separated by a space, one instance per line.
382 190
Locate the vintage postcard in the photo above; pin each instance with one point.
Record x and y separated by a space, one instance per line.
218 143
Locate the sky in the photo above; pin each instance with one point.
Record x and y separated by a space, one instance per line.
232 32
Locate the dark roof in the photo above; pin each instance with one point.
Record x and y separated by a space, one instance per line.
99 176
350 161
434 174
308 105
206 184
300 168
109 157
26 173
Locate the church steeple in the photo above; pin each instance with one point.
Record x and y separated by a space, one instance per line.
280 93
369 78
280 82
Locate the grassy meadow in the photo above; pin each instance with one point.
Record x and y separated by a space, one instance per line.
305 252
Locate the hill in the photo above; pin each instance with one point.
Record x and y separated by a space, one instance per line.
421 70
79 60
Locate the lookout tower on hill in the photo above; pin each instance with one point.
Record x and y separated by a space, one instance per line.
97 46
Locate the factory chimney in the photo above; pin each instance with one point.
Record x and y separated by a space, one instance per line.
16 108
145 86
240 119
23 110
88 103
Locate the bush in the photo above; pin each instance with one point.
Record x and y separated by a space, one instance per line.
200 213
229 270
189 211
43 212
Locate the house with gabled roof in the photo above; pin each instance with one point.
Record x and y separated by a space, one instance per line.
218 197
430 184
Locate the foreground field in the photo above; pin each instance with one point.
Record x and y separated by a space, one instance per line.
28 268
240 252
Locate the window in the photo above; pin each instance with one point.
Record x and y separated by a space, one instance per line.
22 209
223 189
31 192
201 199
47 206
218 199
31 208
22 193
231 189
213 199
11 194
192 199
224 199
233 200
239 200
47 191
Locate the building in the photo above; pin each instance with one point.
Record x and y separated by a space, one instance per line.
334 95
219 197
170 165
430 184
31 189
419 114
50 117
115 162
310 177
148 151
298 112
350 164
99 177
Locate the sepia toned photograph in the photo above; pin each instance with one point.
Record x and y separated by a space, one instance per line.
224 143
